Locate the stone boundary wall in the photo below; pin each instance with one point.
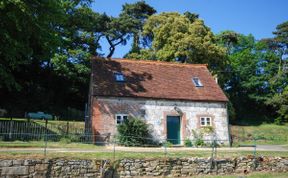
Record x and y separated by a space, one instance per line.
170 167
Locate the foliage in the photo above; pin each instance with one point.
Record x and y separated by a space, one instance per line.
199 142
178 37
280 101
252 75
188 142
43 65
168 144
198 138
133 132
28 37
138 12
207 130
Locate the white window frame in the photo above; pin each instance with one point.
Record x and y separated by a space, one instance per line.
197 82
206 120
119 77
122 118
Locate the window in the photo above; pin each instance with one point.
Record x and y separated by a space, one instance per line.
119 77
205 121
120 118
197 82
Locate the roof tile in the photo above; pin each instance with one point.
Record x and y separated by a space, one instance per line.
153 79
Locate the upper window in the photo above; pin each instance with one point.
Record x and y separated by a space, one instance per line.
119 77
205 121
120 118
197 82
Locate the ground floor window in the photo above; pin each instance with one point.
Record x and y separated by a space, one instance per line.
120 118
205 121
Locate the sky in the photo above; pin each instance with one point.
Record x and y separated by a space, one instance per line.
256 17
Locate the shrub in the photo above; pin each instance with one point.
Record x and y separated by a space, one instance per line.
65 140
199 142
167 144
133 132
278 121
207 130
188 143
198 138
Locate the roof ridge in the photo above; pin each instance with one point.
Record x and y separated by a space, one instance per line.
172 63
160 62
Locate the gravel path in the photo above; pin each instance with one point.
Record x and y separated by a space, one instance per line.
143 149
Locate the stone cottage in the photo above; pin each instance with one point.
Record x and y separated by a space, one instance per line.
175 99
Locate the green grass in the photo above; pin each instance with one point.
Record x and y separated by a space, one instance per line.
98 152
41 144
263 134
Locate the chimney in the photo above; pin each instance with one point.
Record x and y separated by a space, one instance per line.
215 78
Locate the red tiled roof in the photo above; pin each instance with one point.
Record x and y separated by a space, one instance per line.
153 79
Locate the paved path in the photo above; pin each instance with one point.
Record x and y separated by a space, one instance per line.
143 149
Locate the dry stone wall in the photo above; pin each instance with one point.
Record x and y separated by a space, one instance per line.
184 167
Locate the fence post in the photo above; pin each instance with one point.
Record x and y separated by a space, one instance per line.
165 149
10 129
114 150
45 138
67 128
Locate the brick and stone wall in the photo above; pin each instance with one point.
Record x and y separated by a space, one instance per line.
184 167
154 112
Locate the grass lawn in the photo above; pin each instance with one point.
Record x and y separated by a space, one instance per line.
100 152
41 144
263 134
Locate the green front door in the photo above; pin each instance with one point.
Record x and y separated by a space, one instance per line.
173 129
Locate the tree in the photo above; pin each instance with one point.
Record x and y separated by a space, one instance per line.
28 36
80 32
228 39
128 24
252 74
45 54
178 37
138 12
277 50
280 102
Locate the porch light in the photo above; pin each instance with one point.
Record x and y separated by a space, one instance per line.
178 110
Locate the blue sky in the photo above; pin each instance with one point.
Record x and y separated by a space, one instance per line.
256 17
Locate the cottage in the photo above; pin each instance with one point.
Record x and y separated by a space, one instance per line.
175 99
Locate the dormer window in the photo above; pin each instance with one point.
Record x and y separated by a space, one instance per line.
197 82
119 77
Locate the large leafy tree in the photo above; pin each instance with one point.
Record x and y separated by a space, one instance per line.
80 34
28 37
45 54
252 74
181 37
277 49
245 84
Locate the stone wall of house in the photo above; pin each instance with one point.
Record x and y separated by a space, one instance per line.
154 112
185 167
